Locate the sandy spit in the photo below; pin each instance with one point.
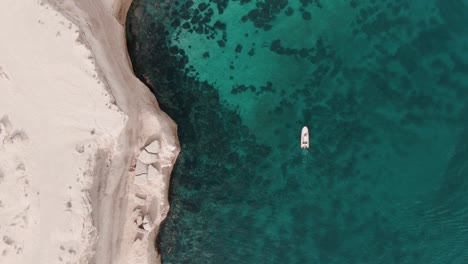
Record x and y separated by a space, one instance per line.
85 152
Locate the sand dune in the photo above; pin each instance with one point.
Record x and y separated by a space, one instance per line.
73 121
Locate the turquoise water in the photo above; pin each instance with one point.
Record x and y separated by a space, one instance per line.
383 88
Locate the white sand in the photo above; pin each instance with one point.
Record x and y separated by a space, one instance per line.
73 121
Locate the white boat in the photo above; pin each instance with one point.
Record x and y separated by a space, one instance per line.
305 137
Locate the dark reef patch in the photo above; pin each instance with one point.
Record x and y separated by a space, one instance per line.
382 86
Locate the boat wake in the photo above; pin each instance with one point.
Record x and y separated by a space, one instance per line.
305 154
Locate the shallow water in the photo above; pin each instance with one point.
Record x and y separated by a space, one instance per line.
383 88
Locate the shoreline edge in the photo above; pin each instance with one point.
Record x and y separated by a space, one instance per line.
129 193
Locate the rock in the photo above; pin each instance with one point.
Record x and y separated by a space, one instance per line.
141 168
140 180
147 158
139 200
139 220
146 224
171 148
154 174
136 213
153 147
79 148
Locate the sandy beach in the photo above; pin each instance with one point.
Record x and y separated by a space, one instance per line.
85 152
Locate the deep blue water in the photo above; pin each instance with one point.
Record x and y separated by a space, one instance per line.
383 88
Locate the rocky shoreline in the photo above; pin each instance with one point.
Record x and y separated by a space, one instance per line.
130 188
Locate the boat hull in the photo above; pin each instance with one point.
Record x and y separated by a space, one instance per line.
305 137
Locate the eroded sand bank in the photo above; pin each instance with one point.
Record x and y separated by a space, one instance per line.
73 122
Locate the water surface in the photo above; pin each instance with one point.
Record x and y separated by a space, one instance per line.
383 88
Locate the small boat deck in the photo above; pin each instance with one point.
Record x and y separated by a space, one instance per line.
305 137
